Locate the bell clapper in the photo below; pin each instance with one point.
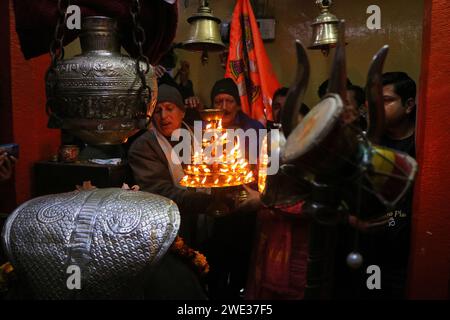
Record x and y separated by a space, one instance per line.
204 57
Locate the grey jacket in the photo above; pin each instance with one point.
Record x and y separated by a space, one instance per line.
151 172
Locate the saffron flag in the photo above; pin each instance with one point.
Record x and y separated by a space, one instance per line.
249 66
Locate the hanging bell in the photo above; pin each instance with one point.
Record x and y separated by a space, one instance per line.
98 95
205 32
325 28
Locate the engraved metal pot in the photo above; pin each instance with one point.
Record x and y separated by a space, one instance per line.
112 235
98 95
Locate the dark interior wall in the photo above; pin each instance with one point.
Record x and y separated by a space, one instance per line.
401 29
27 119
7 188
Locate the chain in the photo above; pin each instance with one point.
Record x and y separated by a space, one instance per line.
57 54
139 40
56 46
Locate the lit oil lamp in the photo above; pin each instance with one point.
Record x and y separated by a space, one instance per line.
224 171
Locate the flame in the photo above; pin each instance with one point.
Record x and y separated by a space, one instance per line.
227 168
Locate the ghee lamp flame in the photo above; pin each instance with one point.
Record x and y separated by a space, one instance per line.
228 169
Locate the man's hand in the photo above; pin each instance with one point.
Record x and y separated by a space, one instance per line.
6 165
369 226
159 71
133 188
253 201
193 103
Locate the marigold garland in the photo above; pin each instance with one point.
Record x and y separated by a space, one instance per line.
197 259
6 272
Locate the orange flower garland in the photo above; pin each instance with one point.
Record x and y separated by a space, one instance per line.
6 274
197 259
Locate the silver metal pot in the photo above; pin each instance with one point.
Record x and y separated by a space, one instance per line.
98 95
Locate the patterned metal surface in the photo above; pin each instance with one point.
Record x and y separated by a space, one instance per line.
101 95
111 234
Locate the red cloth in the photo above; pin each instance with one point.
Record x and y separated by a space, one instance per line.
280 258
249 66
36 21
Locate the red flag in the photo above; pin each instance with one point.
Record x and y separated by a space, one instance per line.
249 66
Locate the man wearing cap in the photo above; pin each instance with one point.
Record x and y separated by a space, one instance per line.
232 236
154 171
225 96
151 162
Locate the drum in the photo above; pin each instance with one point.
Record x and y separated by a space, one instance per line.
380 183
325 150
390 175
278 186
322 144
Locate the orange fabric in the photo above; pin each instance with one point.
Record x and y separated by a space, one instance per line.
249 66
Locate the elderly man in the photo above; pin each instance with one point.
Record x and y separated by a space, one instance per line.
232 237
151 163
154 171
225 96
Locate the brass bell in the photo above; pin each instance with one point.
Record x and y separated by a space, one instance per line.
325 28
204 33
